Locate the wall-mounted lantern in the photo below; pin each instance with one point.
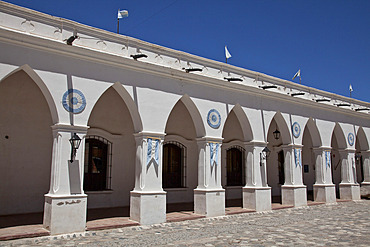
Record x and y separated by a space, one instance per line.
358 156
75 144
276 134
264 155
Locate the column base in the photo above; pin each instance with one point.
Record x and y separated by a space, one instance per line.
349 191
324 193
209 202
295 195
65 214
148 208
365 189
257 198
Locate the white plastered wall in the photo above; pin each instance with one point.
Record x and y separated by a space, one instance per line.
25 145
308 159
361 145
155 96
111 120
233 136
180 128
338 142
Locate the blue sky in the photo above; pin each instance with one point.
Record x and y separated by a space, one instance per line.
329 40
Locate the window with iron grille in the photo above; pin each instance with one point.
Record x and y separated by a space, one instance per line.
235 166
98 165
174 162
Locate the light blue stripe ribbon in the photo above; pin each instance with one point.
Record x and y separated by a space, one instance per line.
214 153
149 155
297 156
150 151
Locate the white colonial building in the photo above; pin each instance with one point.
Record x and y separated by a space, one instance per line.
160 126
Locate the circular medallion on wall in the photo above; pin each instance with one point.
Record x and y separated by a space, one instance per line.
74 101
296 129
351 139
214 118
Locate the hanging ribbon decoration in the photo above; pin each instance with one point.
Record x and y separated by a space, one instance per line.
327 159
214 153
297 157
153 151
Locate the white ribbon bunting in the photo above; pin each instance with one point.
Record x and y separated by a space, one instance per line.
153 151
214 153
297 157
327 159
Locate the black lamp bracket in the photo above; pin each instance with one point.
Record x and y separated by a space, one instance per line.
233 79
137 56
192 70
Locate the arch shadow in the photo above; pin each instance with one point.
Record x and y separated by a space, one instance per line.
243 121
283 128
194 114
362 139
314 132
40 83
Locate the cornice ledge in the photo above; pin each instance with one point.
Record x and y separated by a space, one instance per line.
17 38
109 36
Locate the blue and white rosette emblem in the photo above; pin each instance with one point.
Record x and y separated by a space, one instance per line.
74 101
214 118
351 139
296 129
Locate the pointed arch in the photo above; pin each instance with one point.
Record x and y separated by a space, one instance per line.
113 121
283 128
132 107
361 139
195 115
41 85
180 152
27 111
314 131
339 135
244 122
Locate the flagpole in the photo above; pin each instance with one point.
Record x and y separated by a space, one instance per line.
227 53
118 23
298 74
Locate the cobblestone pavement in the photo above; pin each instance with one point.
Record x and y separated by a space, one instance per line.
342 224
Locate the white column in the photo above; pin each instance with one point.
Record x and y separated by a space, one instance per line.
348 187
293 191
148 200
66 202
209 196
324 189
256 192
365 185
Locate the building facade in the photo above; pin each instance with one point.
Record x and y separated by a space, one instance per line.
159 126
